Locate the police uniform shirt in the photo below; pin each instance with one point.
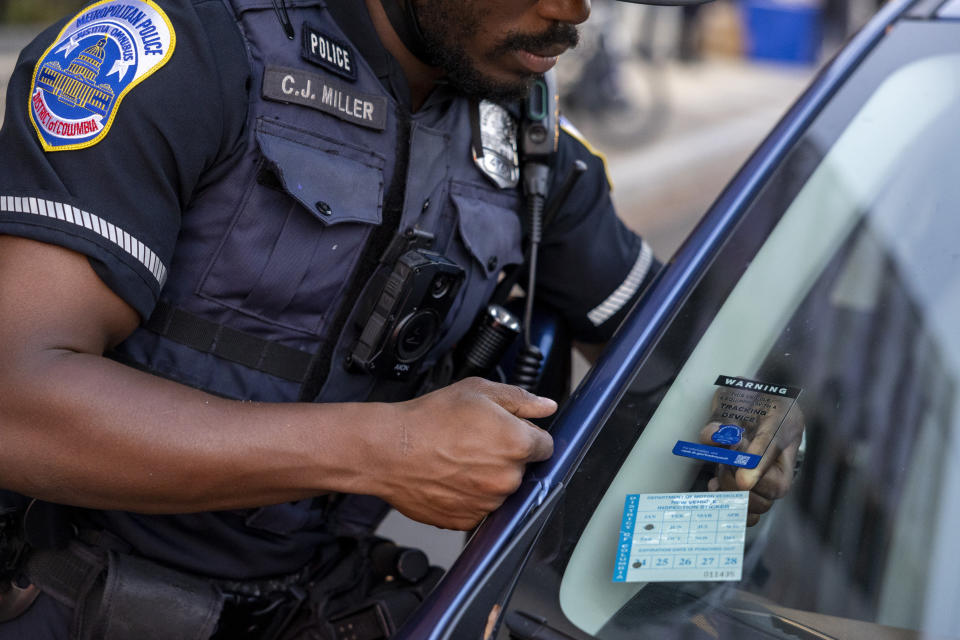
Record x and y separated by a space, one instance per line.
177 133
591 267
119 201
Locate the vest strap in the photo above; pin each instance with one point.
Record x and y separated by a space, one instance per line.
251 351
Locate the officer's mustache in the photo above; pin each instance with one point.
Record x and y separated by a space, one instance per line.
558 34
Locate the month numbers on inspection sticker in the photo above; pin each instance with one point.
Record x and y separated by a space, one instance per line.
682 537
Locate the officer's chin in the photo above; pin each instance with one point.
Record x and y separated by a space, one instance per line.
484 87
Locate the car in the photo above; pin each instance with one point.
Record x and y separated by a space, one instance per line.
831 264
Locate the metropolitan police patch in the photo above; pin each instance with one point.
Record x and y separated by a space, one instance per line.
103 53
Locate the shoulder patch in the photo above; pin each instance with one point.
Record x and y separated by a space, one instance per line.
573 132
104 52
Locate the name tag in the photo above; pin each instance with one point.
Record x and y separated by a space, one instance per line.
295 86
329 53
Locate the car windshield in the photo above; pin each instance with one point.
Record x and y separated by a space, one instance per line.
843 279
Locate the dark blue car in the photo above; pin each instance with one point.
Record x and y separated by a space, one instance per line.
831 263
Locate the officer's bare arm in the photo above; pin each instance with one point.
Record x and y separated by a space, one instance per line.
80 429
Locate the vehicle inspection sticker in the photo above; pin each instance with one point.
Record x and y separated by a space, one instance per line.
682 537
746 420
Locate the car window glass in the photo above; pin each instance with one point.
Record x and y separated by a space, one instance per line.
842 279
816 225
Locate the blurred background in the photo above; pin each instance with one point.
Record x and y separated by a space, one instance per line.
675 98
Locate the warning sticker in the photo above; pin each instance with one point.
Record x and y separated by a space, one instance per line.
746 419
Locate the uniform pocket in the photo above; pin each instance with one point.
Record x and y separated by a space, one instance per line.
489 228
488 238
292 246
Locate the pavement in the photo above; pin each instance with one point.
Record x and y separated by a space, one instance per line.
714 113
718 111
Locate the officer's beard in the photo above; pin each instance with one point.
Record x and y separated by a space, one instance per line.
446 24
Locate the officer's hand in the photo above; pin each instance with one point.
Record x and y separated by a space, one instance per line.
462 450
773 477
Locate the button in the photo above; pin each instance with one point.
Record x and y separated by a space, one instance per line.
426 205
323 208
492 263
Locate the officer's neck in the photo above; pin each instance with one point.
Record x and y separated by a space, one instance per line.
421 77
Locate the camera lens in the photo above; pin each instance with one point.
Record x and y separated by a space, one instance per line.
416 334
440 286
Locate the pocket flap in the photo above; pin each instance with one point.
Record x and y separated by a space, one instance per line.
330 185
489 231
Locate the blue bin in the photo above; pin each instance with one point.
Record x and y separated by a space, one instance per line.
782 32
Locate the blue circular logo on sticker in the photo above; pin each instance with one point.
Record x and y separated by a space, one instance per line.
728 434
99 56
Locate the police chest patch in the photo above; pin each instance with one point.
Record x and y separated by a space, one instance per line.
328 52
103 53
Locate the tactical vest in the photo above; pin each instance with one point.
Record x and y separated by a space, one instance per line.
264 276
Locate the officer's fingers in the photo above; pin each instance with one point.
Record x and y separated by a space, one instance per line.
446 520
521 441
730 478
706 434
772 457
517 401
525 442
773 431
774 484
763 435
723 480
747 479
757 504
777 480
541 445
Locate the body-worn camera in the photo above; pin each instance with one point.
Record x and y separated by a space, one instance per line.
407 318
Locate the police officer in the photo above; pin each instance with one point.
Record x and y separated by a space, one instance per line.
201 205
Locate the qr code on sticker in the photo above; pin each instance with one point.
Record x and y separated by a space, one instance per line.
741 459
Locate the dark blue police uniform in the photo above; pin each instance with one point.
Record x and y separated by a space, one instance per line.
240 192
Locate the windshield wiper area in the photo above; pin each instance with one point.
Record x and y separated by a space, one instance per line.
784 624
674 611
524 626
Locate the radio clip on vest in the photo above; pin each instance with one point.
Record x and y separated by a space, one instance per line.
539 138
407 316
496 328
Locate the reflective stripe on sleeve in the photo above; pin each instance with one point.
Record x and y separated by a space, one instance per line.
59 211
609 307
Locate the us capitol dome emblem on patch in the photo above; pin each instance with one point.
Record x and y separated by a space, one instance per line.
101 54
